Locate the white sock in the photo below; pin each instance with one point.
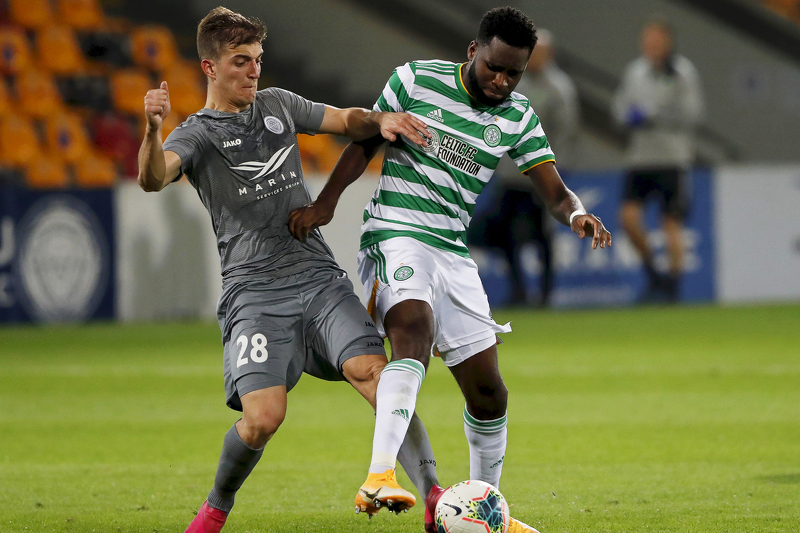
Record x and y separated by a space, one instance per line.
487 447
396 399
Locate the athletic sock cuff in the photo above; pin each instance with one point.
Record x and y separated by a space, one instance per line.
484 427
412 366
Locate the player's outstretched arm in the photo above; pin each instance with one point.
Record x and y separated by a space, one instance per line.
565 206
352 163
156 167
359 124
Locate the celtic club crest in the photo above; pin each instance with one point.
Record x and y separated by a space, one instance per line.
403 273
492 135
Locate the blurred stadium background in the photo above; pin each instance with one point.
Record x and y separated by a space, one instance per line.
647 416
79 240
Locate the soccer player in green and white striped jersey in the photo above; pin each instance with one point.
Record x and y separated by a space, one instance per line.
423 289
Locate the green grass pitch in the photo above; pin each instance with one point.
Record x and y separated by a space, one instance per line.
679 419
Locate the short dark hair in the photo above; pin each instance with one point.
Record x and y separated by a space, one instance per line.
222 28
508 24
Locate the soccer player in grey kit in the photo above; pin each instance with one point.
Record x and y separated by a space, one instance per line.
286 307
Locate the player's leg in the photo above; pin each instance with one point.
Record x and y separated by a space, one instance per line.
263 412
638 186
676 205
485 420
258 348
415 454
346 343
398 275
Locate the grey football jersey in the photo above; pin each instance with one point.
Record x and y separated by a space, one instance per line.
246 169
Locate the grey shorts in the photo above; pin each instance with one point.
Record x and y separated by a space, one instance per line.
273 331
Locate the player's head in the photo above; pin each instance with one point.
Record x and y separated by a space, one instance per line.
498 55
229 46
657 40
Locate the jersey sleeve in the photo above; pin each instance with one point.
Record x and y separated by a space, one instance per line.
395 96
187 140
532 148
307 115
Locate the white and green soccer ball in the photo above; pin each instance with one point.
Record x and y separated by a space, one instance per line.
472 507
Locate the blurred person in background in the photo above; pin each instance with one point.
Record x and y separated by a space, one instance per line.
660 103
519 215
286 307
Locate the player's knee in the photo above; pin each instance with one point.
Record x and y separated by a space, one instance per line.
258 428
488 401
364 370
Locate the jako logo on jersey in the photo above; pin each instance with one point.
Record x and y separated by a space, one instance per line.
228 144
272 165
436 114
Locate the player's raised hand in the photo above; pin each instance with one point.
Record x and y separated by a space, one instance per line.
412 128
157 106
589 224
309 217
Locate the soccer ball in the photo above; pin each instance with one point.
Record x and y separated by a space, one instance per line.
472 507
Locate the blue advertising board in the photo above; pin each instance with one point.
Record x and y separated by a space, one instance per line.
612 277
56 255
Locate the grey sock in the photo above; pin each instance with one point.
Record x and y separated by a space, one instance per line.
416 457
236 462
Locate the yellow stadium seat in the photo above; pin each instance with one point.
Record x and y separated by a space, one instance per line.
186 91
19 144
154 47
59 51
81 15
66 136
318 152
15 53
173 121
37 94
128 87
46 173
5 100
30 14
95 170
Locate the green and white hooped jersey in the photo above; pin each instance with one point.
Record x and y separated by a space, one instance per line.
428 193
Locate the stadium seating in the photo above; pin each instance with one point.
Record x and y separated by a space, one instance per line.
72 82
46 173
66 136
187 95
95 170
154 48
30 14
59 51
15 53
5 100
82 15
19 144
37 94
128 87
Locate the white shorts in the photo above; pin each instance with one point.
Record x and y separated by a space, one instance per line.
403 268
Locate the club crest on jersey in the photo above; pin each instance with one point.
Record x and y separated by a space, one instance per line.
433 142
274 125
492 135
262 169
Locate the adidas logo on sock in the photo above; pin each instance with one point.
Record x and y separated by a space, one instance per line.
436 114
402 413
